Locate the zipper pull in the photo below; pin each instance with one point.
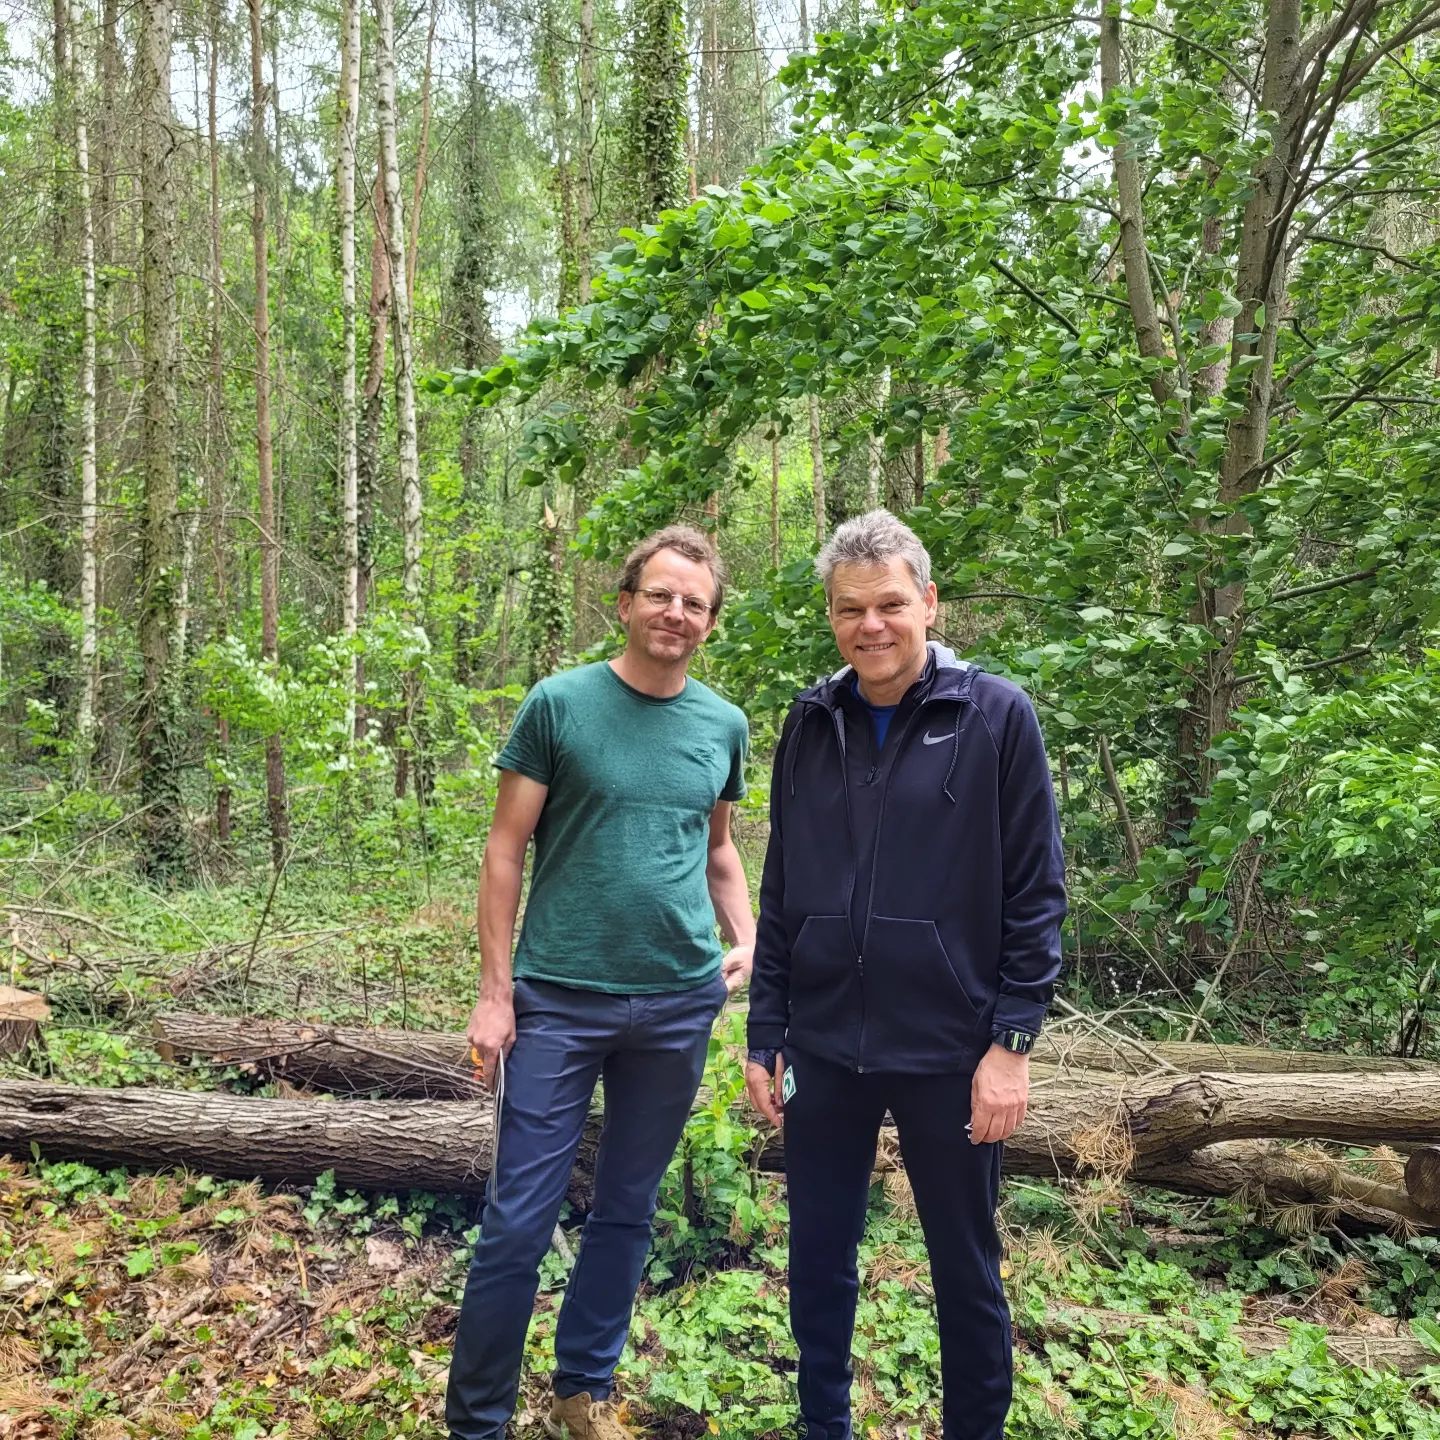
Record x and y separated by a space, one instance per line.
874 771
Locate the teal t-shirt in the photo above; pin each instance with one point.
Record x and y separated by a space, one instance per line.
618 896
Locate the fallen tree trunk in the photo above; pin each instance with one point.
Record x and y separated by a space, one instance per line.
445 1146
372 1145
410 1064
1095 1051
403 1064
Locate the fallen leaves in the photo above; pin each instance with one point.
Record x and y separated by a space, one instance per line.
383 1255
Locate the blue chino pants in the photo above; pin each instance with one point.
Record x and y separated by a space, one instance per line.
650 1050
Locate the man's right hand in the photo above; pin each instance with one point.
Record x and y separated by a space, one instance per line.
491 1032
764 1090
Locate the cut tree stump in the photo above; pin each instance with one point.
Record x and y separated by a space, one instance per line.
21 1012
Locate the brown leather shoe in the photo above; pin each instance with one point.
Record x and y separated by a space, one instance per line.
581 1418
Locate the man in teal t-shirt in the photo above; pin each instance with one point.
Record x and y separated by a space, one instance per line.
623 774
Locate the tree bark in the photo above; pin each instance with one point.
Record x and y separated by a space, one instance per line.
422 160
159 710
552 89
817 463
408 454
87 717
585 187
410 1063
407 442
215 426
275 797
1422 1177
399 1064
1130 194
1122 810
349 107
373 412
875 469
445 1145
775 495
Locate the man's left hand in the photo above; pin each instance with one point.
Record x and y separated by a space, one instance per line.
735 967
999 1095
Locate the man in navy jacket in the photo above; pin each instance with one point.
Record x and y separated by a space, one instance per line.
907 950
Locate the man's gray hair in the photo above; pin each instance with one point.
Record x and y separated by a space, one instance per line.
874 538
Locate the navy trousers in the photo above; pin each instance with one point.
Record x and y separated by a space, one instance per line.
650 1050
832 1124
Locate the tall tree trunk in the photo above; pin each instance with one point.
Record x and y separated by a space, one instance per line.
875 469
1130 193
109 78
552 88
774 494
373 412
762 102
349 105
408 456
215 426
417 199
406 439
275 797
817 467
164 848
89 491
585 188
711 86
804 28
656 111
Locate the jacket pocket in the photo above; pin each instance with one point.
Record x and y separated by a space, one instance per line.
824 985
915 1004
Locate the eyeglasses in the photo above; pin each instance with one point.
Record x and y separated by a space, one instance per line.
662 599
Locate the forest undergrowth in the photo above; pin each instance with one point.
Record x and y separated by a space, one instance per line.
145 1304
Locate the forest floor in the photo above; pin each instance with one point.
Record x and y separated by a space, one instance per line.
181 1304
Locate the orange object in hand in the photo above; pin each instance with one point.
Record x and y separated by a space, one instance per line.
479 1064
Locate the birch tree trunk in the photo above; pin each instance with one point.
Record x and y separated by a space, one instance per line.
215 428
409 460
264 439
158 711
349 106
406 440
373 412
89 484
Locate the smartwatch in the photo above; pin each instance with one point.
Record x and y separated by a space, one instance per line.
1017 1042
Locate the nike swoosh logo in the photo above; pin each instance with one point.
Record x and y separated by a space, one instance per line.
937 739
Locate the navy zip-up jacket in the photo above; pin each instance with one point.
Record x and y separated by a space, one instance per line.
912 895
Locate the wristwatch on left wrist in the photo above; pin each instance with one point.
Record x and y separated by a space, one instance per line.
764 1058
1017 1042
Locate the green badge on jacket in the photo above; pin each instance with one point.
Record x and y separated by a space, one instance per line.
787 1086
